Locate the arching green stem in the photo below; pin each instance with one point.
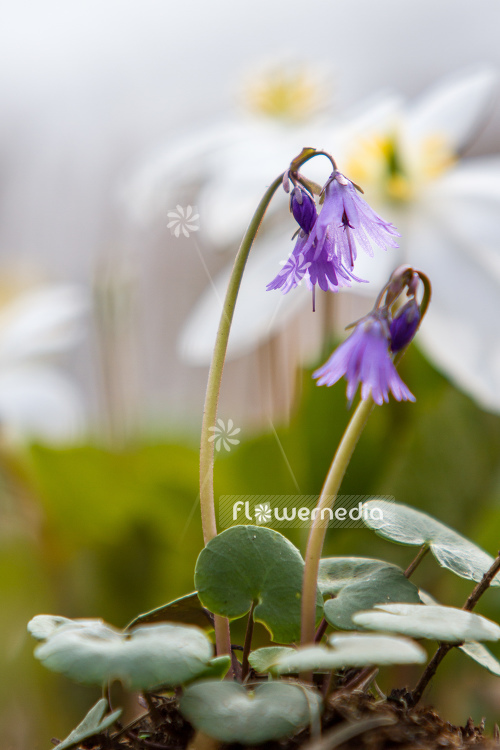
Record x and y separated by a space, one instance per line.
217 365
319 525
207 505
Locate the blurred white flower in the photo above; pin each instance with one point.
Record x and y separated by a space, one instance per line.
38 401
448 213
407 159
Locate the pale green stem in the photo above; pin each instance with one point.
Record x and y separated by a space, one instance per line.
318 528
207 504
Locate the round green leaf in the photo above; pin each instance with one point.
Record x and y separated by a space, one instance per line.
229 712
263 659
439 623
405 525
351 650
247 564
152 655
359 583
94 723
186 610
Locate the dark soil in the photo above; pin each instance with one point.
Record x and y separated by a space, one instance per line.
351 721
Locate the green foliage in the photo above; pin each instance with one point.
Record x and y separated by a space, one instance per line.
187 609
217 669
405 525
94 653
439 623
247 565
93 723
359 583
230 713
351 650
263 659
117 532
482 656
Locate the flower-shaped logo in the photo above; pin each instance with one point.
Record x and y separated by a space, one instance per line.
293 269
263 513
183 220
224 436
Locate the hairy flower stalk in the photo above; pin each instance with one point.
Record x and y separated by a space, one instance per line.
365 357
207 504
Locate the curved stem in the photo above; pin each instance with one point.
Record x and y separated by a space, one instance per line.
319 525
215 374
207 504
217 365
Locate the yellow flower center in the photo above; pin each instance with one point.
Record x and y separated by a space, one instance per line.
287 93
378 164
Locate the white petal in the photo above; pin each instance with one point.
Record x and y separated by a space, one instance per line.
37 402
183 161
42 322
227 202
258 313
374 117
471 178
453 108
460 331
473 223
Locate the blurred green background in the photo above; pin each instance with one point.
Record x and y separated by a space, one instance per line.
93 532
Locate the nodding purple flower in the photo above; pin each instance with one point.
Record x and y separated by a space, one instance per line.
404 325
346 220
303 208
317 269
328 242
365 358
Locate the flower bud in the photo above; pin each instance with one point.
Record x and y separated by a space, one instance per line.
404 325
303 207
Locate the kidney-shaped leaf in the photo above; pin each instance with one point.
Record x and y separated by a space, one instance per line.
405 525
229 712
360 583
351 650
93 723
152 655
252 564
439 623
